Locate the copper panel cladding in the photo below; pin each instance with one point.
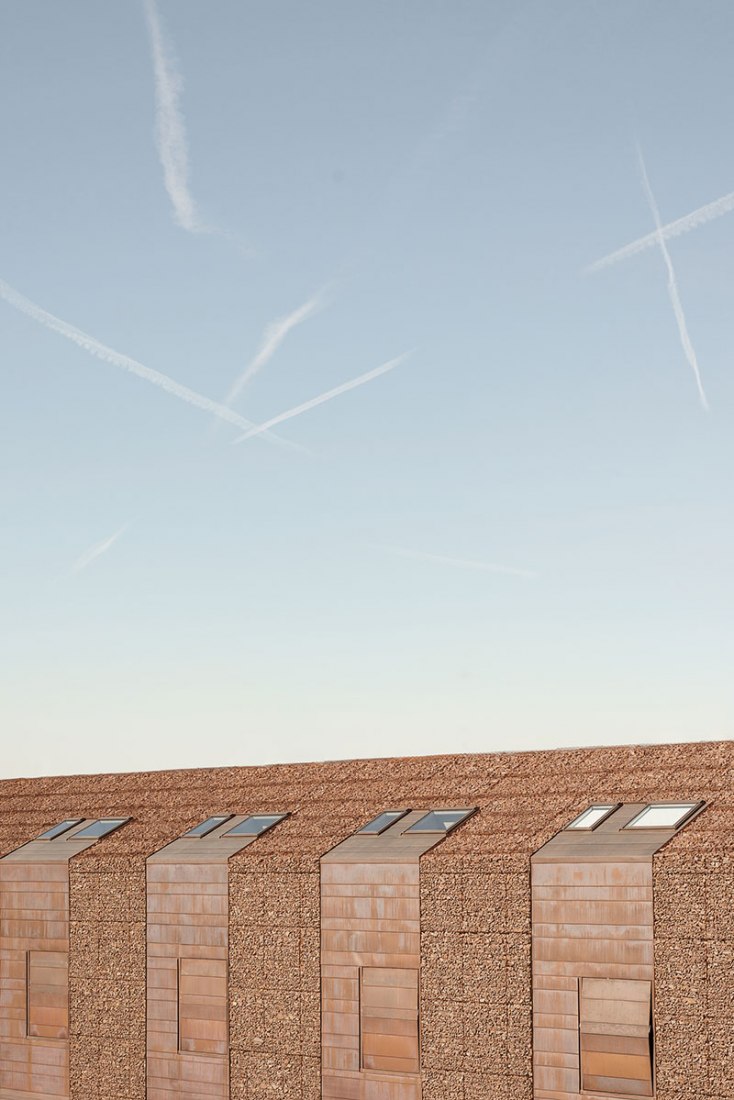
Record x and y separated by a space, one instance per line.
593 960
34 1053
187 981
187 901
370 964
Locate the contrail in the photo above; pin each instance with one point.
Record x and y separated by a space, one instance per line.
97 550
343 388
461 563
673 285
682 225
170 130
274 335
108 355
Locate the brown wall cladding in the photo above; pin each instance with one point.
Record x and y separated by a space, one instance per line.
476 1015
187 955
34 931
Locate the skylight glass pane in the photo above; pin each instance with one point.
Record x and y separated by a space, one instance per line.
592 817
439 821
253 826
382 821
208 826
100 828
663 816
62 827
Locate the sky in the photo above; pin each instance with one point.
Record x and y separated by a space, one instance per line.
338 418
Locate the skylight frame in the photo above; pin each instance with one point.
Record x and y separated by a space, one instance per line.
58 830
238 832
394 815
465 811
690 810
198 832
608 807
115 823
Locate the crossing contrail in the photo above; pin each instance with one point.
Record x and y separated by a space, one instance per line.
322 398
116 359
673 286
682 225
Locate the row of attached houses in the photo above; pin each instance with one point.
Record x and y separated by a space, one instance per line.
517 926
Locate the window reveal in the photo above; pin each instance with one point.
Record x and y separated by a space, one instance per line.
615 1031
47 994
203 1024
389 1019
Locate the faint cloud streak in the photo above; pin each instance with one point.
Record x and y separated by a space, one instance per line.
170 129
673 229
274 335
345 387
673 286
109 355
96 550
460 563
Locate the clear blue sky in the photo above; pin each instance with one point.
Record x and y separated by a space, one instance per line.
521 536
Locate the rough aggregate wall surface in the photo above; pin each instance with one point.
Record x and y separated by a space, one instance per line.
694 960
475 898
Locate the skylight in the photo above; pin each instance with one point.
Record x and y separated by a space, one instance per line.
100 828
594 816
381 822
253 826
663 815
440 821
208 826
62 827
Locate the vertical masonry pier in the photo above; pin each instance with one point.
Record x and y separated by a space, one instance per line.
370 956
593 952
188 958
34 959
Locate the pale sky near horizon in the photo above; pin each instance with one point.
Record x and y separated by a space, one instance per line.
518 535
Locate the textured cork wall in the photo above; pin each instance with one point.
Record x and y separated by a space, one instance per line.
694 961
475 911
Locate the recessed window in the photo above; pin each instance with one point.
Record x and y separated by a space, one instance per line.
381 822
47 994
100 828
615 1036
388 1006
253 826
440 821
594 816
208 826
663 815
62 827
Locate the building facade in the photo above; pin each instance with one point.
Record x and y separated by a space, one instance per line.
518 926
